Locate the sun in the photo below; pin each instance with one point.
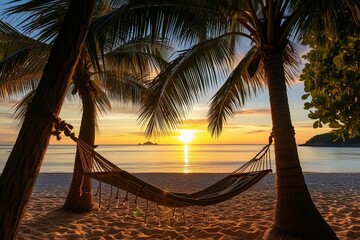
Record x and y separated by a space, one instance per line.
186 136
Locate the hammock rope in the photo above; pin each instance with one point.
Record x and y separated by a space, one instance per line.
99 168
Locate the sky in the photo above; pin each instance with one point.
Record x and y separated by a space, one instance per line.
251 125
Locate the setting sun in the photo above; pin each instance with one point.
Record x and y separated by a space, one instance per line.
186 136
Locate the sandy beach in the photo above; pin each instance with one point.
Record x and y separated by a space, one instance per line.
248 216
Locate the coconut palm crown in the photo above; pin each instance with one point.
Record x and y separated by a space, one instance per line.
268 28
124 79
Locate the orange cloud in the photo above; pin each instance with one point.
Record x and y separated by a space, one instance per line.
254 111
140 134
195 123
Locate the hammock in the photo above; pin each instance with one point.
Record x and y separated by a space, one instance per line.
98 168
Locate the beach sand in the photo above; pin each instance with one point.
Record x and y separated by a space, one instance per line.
248 216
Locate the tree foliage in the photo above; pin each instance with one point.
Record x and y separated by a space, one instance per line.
332 84
128 67
332 140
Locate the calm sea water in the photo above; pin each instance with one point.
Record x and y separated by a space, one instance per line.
194 158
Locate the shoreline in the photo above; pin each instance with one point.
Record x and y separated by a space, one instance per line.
248 216
330 145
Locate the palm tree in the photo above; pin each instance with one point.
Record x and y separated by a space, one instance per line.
124 78
22 168
269 26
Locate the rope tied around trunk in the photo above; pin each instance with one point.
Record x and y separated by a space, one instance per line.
61 126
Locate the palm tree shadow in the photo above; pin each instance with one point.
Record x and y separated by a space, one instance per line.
52 222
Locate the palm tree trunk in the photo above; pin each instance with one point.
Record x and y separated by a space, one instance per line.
22 168
296 215
79 198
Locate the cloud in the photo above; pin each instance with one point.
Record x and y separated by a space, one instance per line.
257 131
140 134
248 129
305 126
6 115
254 111
235 126
196 122
120 135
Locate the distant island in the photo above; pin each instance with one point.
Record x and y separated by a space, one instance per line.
148 143
328 140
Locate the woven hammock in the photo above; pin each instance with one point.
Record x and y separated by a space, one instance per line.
97 167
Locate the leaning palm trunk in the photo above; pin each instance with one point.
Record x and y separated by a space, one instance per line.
79 198
22 168
295 215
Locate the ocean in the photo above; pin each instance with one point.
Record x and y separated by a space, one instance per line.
194 158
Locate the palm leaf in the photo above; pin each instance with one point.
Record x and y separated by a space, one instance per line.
126 88
309 17
232 95
183 82
138 57
22 61
186 21
21 108
44 17
101 99
13 50
292 62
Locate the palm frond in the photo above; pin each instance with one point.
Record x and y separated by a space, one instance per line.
239 87
101 99
13 49
183 82
125 88
11 39
186 21
41 17
21 108
138 57
22 61
313 17
292 62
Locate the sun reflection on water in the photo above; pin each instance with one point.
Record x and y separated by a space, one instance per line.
186 159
